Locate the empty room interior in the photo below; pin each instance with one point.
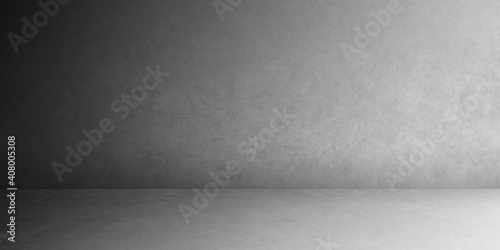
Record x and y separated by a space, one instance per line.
251 124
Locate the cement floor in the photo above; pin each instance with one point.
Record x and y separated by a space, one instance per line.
258 219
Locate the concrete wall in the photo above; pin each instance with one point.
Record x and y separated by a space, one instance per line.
415 106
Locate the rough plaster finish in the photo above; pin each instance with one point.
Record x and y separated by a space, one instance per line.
353 118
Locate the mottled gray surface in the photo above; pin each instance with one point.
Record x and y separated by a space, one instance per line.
259 219
353 118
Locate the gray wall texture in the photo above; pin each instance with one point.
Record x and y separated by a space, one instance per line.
254 94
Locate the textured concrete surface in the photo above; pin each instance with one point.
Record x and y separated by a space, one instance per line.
354 118
259 219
